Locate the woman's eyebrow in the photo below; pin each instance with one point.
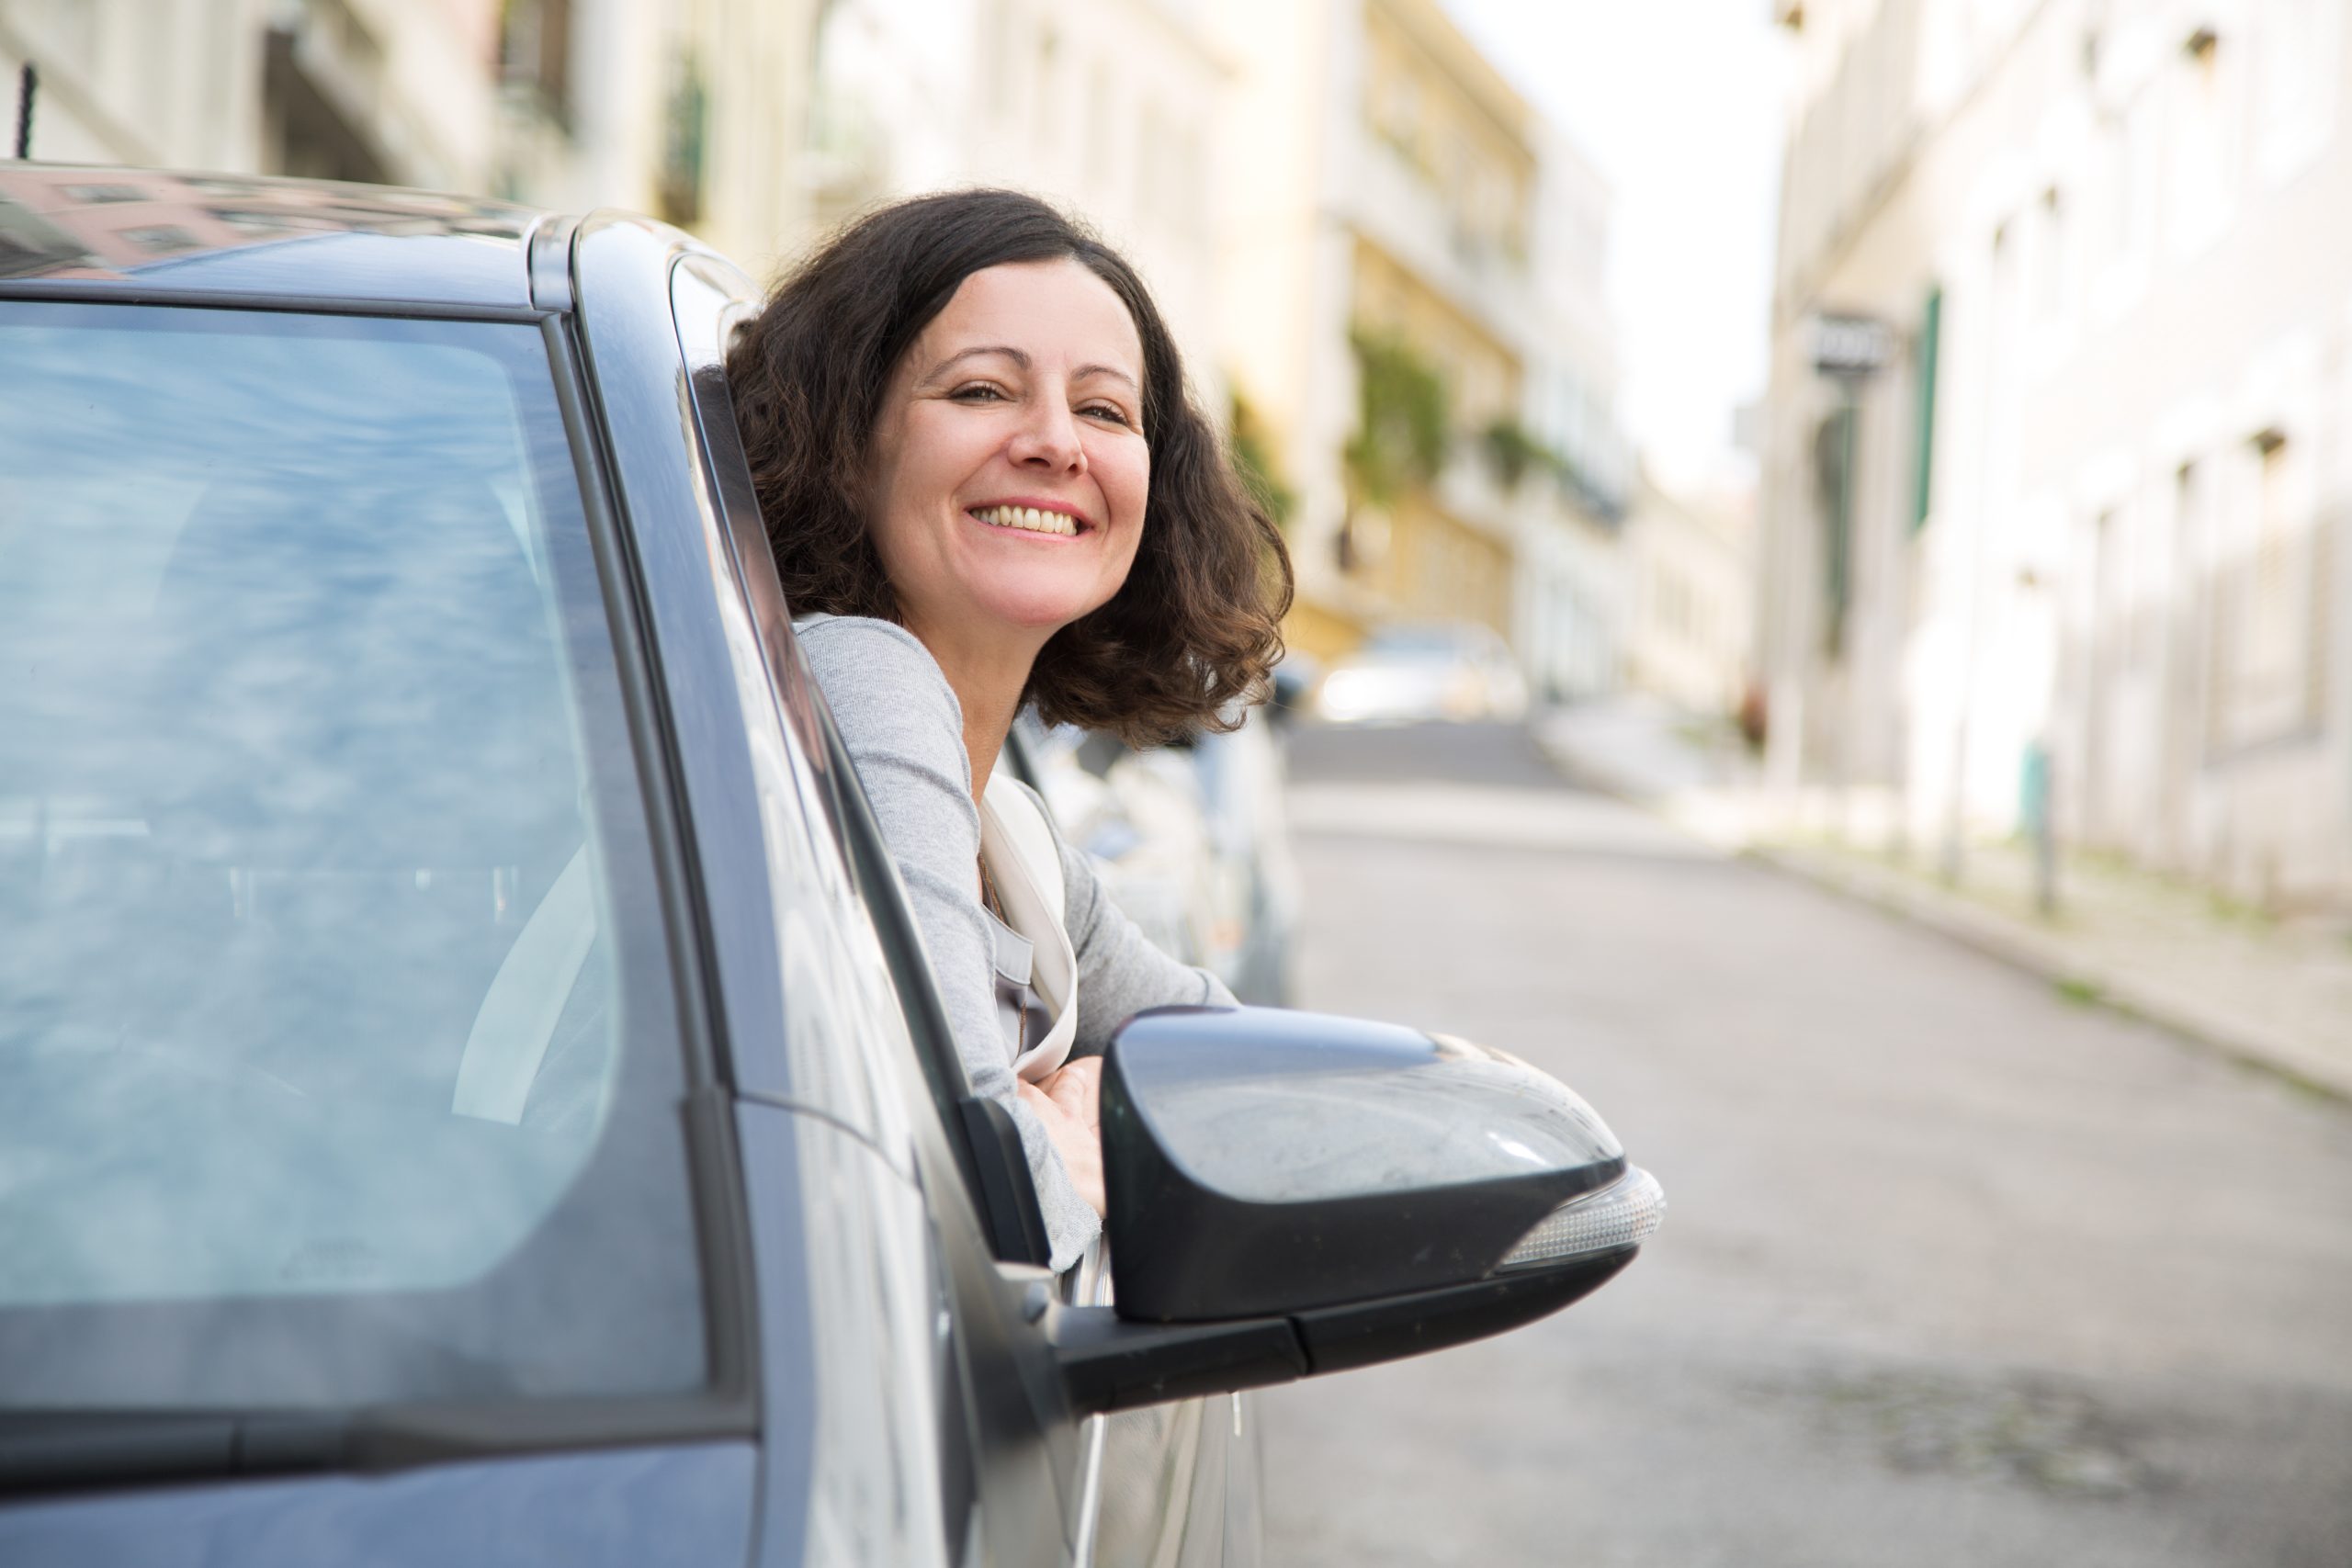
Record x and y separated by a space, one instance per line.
1083 371
1016 356
1020 358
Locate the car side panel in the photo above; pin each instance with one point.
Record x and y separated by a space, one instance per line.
853 1431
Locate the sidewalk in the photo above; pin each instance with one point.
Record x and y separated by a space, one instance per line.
2279 996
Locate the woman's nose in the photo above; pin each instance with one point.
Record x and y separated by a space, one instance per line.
1048 439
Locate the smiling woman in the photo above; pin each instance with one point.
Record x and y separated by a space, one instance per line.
987 488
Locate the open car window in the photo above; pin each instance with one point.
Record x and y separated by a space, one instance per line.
338 1059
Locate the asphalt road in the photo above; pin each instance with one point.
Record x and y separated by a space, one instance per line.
1956 1271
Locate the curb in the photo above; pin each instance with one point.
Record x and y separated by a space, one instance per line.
2189 1018
1997 937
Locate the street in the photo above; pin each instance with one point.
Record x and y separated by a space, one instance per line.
1957 1270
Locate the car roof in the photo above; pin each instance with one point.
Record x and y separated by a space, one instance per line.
90 229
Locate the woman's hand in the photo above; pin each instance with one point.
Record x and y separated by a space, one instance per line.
1070 1102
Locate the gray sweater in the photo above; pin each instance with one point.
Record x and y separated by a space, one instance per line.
905 733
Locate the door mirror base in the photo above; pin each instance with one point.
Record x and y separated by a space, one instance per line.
1109 1363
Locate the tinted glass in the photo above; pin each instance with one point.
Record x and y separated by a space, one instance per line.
338 1060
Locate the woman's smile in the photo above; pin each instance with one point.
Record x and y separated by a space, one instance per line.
1044 519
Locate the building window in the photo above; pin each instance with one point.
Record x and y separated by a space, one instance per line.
2298 44
1395 105
2271 616
313 115
2203 148
161 239
2051 259
2128 200
1923 479
686 125
1833 466
534 52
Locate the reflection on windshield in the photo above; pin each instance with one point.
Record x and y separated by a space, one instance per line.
308 982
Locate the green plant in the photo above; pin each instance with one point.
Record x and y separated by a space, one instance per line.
1511 450
1254 463
1404 420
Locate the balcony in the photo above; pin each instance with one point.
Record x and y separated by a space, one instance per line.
1393 205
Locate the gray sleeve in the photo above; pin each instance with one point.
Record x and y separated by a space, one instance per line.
904 731
1119 973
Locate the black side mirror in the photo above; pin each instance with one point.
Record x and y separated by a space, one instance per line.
1291 1193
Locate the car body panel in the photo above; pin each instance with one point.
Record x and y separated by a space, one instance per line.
859 1481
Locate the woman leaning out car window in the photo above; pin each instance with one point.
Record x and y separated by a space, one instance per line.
986 489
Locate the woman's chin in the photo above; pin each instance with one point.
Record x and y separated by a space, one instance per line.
1039 611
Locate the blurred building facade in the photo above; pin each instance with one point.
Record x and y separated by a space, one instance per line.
2060 441
1410 272
379 90
694 111
1108 110
1690 596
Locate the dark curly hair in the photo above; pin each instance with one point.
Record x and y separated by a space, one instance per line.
1198 623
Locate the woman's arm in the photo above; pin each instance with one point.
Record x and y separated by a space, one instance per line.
904 731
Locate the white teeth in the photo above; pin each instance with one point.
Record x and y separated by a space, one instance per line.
1029 519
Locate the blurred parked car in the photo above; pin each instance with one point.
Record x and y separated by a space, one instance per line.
1190 839
1413 674
471 1088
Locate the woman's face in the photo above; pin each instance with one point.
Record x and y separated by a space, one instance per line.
1009 470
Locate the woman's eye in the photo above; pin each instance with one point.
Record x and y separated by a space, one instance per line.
1111 411
977 392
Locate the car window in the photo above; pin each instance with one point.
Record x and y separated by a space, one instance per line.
338 1061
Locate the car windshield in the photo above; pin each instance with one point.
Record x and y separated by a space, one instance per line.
338 1061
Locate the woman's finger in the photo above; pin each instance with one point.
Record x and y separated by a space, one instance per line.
1078 1090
